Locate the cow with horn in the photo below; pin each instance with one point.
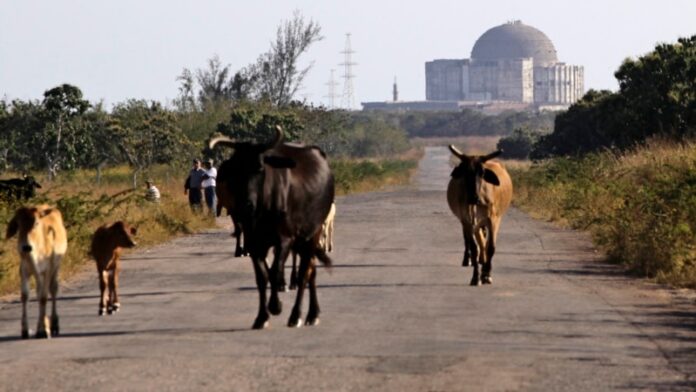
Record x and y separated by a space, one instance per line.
479 193
283 193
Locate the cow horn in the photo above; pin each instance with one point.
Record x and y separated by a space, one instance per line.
456 151
278 138
223 140
491 155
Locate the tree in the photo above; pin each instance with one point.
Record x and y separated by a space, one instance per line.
279 77
147 134
61 106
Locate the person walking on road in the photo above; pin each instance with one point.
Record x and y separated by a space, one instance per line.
208 184
193 185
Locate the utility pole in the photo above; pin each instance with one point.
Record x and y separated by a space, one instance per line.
348 98
332 90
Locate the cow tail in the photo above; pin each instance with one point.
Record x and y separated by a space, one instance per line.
323 257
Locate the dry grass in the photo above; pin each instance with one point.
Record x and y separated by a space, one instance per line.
640 206
86 206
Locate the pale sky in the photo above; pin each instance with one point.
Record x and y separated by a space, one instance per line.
115 50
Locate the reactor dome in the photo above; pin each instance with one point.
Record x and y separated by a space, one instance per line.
515 40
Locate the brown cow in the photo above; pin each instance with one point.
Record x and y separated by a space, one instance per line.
479 193
107 244
41 243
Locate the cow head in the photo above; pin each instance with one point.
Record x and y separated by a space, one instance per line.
244 171
27 224
473 173
122 234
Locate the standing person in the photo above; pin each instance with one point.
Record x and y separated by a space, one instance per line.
152 193
209 185
192 187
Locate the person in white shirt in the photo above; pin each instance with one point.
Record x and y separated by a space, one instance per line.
152 194
208 185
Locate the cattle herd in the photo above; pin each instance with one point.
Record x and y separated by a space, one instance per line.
280 197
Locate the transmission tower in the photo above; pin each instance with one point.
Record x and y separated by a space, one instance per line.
348 98
332 90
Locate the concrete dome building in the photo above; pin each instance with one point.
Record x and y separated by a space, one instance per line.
512 62
513 41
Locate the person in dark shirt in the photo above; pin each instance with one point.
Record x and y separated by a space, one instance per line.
192 187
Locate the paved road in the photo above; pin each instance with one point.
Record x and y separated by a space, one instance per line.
398 315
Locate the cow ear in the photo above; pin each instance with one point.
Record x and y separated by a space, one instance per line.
279 162
490 177
133 231
11 228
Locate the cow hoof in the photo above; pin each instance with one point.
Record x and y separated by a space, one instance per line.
102 311
292 286
25 334
294 323
312 321
238 253
466 263
42 334
261 323
55 327
275 306
487 280
474 282
116 307
283 288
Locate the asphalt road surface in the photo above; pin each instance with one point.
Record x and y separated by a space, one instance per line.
397 315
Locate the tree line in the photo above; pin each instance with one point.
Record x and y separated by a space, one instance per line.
64 131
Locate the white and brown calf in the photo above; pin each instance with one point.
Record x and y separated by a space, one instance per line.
41 242
107 244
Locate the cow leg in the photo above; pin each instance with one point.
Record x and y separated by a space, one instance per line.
55 325
42 331
238 251
313 313
103 283
261 272
112 299
281 254
293 272
491 240
113 282
473 251
466 261
275 306
24 276
294 320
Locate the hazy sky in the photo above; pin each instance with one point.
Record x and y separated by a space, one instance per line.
114 50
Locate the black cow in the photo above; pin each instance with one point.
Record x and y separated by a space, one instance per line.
19 188
283 193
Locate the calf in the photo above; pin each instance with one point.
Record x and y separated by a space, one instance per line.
42 242
107 244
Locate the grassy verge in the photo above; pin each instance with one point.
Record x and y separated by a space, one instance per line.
354 176
640 207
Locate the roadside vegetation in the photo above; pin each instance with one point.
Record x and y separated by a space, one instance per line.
622 165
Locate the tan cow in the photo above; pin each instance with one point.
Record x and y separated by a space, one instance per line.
479 193
42 242
107 244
